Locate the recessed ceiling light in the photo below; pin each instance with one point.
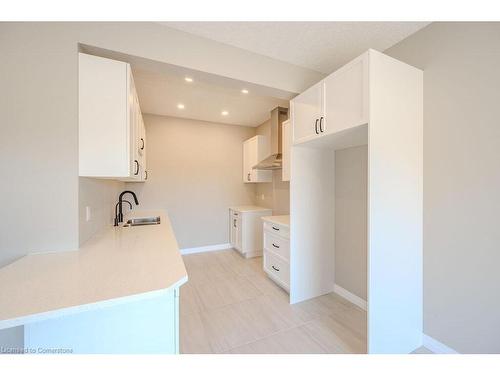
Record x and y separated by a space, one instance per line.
188 79
224 113
180 106
244 91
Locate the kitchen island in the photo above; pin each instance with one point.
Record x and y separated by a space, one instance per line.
118 293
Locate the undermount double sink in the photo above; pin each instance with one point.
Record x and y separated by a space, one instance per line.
134 222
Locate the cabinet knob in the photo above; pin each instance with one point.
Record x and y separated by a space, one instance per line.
146 175
276 269
248 177
142 140
321 124
276 246
316 126
276 228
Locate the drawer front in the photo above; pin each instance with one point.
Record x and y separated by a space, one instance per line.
277 244
277 268
276 229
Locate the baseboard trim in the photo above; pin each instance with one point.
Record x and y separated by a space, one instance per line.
358 301
436 346
204 249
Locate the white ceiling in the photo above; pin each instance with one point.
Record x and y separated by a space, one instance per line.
320 46
160 93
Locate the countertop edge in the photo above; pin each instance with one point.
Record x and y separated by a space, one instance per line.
70 310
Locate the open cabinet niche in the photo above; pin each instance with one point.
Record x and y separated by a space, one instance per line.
375 102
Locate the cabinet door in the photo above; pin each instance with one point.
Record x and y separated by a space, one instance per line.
103 112
307 109
346 97
286 148
237 233
142 149
248 147
135 167
232 228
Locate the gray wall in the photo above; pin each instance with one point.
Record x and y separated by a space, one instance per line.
351 184
461 181
195 173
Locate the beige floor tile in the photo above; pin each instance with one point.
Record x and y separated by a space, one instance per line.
217 294
189 300
267 286
230 305
226 328
292 341
335 337
193 338
266 315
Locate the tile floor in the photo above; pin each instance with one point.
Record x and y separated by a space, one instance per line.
230 306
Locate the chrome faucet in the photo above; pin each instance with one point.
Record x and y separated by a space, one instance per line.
119 215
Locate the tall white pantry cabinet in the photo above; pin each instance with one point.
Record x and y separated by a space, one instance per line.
377 101
112 136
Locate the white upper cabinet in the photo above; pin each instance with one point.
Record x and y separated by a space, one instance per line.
337 103
110 121
286 148
306 112
255 150
346 97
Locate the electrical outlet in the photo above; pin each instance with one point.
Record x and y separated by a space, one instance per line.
88 213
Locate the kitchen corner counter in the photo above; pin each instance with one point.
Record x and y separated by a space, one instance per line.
118 265
249 208
278 219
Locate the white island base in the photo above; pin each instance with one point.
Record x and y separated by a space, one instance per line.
144 326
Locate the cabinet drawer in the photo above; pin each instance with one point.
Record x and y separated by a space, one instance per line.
277 244
277 229
277 269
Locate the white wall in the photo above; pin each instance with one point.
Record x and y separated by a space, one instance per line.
461 181
351 188
195 173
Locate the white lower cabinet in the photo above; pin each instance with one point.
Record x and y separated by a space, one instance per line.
245 232
276 261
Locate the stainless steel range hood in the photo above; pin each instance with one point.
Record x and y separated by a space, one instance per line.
274 161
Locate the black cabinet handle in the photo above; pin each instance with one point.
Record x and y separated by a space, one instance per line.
146 177
276 269
276 228
316 127
142 140
248 177
136 167
276 246
321 124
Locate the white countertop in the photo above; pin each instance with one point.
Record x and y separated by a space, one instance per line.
115 266
279 219
249 208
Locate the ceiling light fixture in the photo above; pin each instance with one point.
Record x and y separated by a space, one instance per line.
188 79
224 113
180 106
244 91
